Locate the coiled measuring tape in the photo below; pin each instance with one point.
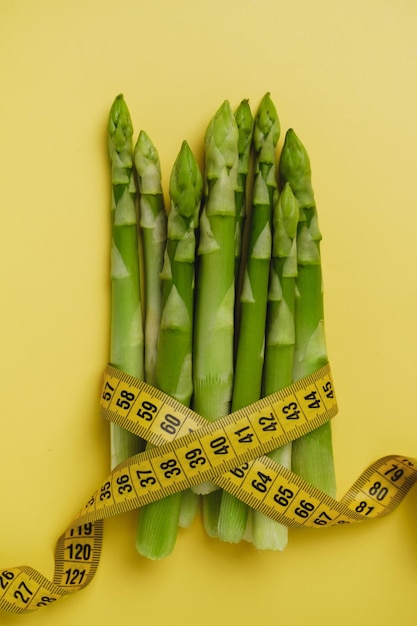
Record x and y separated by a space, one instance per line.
189 450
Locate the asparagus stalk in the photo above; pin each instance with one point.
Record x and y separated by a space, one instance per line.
158 522
153 230
126 342
253 301
312 454
244 121
280 341
214 316
190 504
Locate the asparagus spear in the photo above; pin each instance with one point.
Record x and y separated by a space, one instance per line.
253 306
190 504
158 522
244 121
126 343
312 454
153 230
280 340
213 345
214 316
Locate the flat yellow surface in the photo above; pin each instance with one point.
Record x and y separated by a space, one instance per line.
343 75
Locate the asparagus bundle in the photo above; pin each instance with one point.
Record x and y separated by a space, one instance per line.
253 300
158 522
200 343
126 343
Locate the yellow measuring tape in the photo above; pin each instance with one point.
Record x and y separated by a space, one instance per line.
230 451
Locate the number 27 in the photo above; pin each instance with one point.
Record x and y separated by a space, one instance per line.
23 593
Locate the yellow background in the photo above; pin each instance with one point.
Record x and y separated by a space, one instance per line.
343 75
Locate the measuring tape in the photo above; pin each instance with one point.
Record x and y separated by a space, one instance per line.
189 450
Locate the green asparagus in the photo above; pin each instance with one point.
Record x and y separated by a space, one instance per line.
244 121
158 522
253 301
280 341
153 229
215 294
126 343
312 454
213 345
219 357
